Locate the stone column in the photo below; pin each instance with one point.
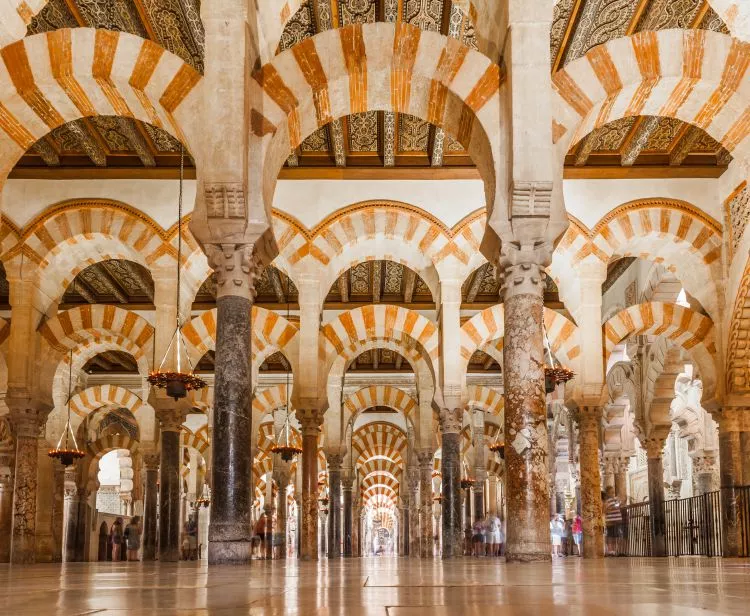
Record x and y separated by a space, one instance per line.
270 528
334 507
150 514
414 537
74 523
654 448
6 507
620 467
58 512
169 485
404 530
310 421
281 475
347 514
424 458
492 493
705 474
589 424
745 449
26 425
477 491
527 444
730 469
450 427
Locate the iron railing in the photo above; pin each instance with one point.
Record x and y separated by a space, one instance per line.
693 525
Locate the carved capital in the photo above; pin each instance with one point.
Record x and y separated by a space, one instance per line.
522 279
451 420
27 421
310 421
654 446
334 460
236 267
170 420
151 461
424 458
589 418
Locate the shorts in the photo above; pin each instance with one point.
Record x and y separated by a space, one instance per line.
494 538
577 538
556 540
478 538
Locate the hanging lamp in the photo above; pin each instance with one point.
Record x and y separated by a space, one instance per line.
498 448
284 447
554 372
67 449
177 382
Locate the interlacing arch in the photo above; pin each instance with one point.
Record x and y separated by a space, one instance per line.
368 67
692 75
42 87
686 328
489 325
92 398
196 441
487 399
379 439
15 16
738 347
380 395
670 232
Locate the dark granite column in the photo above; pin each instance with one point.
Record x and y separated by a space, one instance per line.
477 492
425 459
150 513
404 530
450 465
745 450
230 532
730 468
654 448
6 507
58 512
589 425
334 506
169 486
310 421
414 538
526 451
270 530
347 514
26 426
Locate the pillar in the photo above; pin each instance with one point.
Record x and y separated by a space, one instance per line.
268 508
310 421
151 472
58 512
334 506
654 448
347 515
230 531
621 480
450 465
75 522
6 507
26 425
404 538
589 423
705 474
745 449
169 485
730 469
492 489
527 444
281 474
414 537
424 458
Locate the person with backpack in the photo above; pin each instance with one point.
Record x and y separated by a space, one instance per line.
116 539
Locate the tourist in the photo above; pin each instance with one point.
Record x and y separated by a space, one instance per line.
478 537
494 535
115 538
133 538
613 522
261 531
578 533
565 538
556 528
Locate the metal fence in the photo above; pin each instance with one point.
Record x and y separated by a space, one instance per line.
693 525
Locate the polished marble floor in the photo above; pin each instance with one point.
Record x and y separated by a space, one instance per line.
383 587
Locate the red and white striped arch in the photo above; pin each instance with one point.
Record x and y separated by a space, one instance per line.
379 439
381 66
49 79
736 15
488 325
686 328
98 396
380 395
196 441
693 75
379 466
15 16
487 399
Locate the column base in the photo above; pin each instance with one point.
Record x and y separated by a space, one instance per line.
229 552
527 557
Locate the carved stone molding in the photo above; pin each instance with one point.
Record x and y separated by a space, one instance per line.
531 199
451 420
310 421
170 420
225 200
236 268
523 279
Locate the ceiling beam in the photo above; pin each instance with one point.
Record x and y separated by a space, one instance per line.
585 149
47 152
377 280
488 362
569 29
336 132
278 289
390 122
118 359
375 358
88 144
81 287
399 361
136 141
476 283
102 273
143 281
638 140
102 363
344 286
410 283
684 146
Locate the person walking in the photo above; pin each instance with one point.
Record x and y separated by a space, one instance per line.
116 538
133 538
578 533
556 528
494 535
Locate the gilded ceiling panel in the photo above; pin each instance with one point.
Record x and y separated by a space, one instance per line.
359 279
609 137
112 14
706 143
357 11
110 130
317 142
600 21
560 18
299 27
711 21
661 14
53 16
125 275
178 27
666 131
393 275
425 14
163 141
363 132
413 133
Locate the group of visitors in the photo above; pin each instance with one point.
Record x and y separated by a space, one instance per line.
128 537
190 548
485 537
567 535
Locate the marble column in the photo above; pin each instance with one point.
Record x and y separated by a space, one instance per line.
169 486
654 449
404 531
334 506
705 474
477 491
270 530
74 524
414 537
425 458
26 425
621 480
281 476
745 450
730 469
6 507
527 443
58 512
356 548
150 513
230 530
589 424
310 421
450 465
347 515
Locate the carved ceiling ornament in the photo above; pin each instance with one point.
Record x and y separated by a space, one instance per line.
737 213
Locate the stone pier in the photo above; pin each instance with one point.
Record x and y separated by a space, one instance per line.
310 421
450 466
425 458
150 491
589 423
654 449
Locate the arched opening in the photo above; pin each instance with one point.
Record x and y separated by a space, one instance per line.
114 281
110 362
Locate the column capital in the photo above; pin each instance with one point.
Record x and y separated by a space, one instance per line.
334 459
310 421
526 278
654 446
730 419
451 420
425 458
26 419
616 464
237 268
170 419
151 461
